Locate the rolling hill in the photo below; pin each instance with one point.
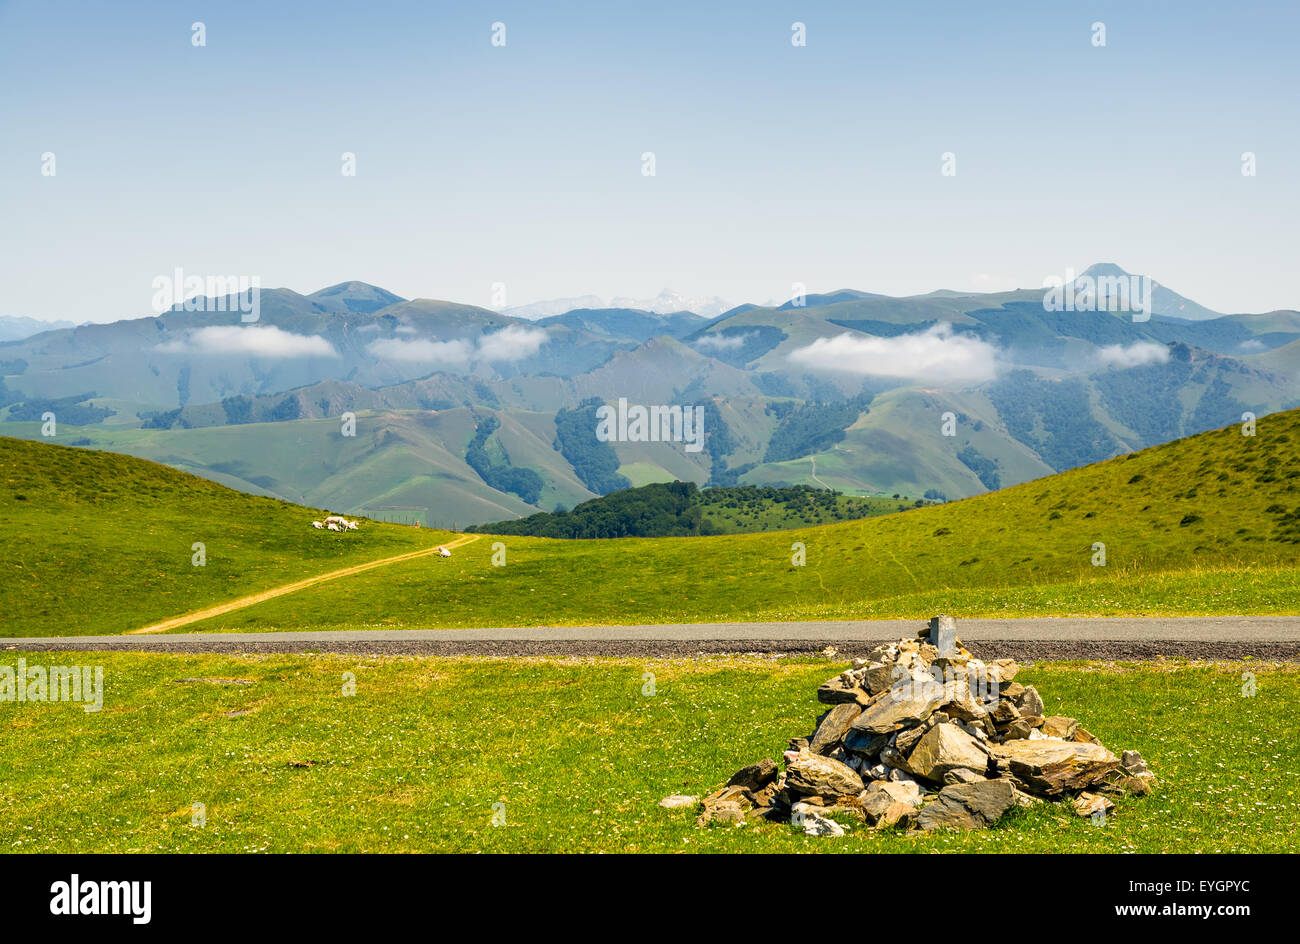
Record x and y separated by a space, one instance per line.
100 542
1206 524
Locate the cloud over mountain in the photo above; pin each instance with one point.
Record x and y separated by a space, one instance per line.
421 350
257 340
509 344
937 354
1138 354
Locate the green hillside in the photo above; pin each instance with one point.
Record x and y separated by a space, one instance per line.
407 460
95 542
1209 524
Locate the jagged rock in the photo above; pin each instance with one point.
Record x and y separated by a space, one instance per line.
769 795
968 805
1029 703
678 800
834 725
905 791
1004 713
1132 762
756 776
798 744
1060 726
908 738
814 775
946 747
1005 669
880 676
886 653
1022 727
865 745
961 775
902 706
875 804
1084 737
727 805
897 814
1049 767
840 690
1087 804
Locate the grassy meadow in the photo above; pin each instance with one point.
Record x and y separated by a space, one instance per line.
576 755
1204 525
96 542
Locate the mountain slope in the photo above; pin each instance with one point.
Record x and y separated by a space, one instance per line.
1208 524
96 542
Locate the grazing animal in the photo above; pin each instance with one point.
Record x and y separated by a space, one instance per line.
332 526
338 520
443 552
317 525
352 526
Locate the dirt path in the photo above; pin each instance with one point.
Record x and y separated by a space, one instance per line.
271 594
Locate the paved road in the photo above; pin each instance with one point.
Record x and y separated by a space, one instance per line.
1265 637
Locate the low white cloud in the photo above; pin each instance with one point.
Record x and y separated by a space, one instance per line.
259 340
724 342
511 344
1137 354
937 355
422 351
1252 345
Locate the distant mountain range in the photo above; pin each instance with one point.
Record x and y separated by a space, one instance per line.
13 328
478 415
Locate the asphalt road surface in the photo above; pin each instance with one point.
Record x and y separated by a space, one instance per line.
1219 637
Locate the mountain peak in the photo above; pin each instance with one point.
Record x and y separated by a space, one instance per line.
354 296
1105 270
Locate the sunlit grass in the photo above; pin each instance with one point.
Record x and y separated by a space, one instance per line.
577 754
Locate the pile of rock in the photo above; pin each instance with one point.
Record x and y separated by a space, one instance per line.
922 735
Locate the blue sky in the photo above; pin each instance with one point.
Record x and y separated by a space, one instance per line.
522 164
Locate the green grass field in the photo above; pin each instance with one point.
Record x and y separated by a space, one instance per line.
96 542
1201 526
577 755
1205 525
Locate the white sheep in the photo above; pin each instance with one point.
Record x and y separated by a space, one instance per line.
352 526
317 525
332 526
443 552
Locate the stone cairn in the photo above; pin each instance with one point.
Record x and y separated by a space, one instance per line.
922 735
